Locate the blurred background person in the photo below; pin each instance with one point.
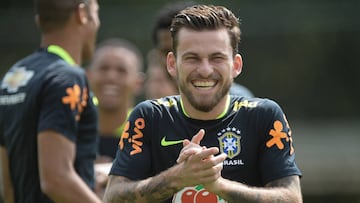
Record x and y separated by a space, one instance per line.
158 82
161 35
161 38
116 78
48 122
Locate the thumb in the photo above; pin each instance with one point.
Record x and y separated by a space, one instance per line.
198 137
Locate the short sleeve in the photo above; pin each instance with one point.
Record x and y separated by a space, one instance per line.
133 157
62 101
277 154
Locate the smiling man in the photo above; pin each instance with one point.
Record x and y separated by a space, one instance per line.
116 78
205 145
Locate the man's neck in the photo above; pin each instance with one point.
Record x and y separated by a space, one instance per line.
70 45
110 121
217 112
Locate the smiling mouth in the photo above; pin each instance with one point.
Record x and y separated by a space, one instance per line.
110 90
204 84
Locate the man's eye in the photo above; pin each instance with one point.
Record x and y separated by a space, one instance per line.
218 58
190 58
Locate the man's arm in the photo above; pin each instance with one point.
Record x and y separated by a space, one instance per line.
8 192
195 170
101 177
58 177
284 190
154 189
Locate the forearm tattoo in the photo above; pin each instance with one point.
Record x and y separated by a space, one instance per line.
154 189
157 190
279 191
283 182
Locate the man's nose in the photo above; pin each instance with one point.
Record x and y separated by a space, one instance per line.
112 75
205 68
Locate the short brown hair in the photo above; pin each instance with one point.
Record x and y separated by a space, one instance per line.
55 13
207 17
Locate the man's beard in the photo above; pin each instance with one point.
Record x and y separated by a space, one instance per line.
205 106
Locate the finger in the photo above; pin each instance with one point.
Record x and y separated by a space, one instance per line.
195 140
207 153
219 158
186 142
198 137
190 147
186 152
211 162
182 155
207 179
210 174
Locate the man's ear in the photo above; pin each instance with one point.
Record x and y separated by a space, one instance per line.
171 64
37 20
139 83
82 13
237 65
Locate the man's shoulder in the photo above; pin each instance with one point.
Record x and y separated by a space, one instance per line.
237 89
43 61
158 106
164 102
253 102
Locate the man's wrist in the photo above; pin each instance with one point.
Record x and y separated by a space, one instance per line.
173 177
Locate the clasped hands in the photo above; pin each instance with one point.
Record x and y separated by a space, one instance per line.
201 165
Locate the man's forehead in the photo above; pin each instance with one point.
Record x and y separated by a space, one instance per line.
203 41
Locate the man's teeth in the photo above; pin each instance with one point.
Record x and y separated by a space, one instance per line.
110 90
204 83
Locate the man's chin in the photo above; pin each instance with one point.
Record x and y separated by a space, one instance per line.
204 105
109 107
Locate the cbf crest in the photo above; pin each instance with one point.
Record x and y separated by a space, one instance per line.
229 141
16 79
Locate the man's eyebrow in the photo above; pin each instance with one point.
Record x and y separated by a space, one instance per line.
218 53
189 54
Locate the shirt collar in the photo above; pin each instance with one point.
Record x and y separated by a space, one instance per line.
219 116
62 53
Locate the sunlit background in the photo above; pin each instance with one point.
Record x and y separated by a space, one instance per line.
303 54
